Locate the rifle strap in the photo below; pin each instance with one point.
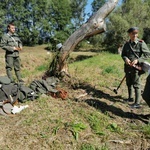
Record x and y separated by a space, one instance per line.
135 66
13 39
133 51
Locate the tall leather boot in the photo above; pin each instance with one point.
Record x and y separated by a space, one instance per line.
130 92
137 99
137 96
18 76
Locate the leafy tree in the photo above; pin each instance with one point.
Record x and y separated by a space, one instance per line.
78 12
42 21
1 21
146 35
123 18
60 12
116 32
96 4
29 18
36 23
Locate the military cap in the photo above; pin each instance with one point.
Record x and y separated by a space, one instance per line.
133 29
58 46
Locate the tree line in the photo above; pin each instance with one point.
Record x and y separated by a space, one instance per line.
53 21
42 21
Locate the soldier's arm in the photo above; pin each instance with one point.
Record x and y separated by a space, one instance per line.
124 55
145 52
19 42
5 46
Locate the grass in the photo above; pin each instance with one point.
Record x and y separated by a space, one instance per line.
146 130
88 123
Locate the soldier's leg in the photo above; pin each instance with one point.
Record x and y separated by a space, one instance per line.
137 87
9 67
17 68
129 85
137 96
130 92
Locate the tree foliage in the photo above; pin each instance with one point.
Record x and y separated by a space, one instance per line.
42 21
96 4
1 21
29 18
130 13
78 12
53 21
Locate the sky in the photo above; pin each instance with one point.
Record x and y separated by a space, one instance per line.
88 7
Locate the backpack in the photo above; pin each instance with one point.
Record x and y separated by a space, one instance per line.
26 93
44 86
8 95
8 91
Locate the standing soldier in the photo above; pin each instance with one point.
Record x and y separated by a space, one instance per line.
11 43
134 52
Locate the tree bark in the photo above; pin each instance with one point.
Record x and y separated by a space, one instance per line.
95 25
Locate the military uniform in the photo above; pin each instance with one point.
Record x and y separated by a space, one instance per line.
12 59
146 92
141 52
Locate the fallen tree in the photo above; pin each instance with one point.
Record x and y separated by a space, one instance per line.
95 25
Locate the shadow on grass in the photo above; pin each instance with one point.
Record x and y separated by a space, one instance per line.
98 93
104 107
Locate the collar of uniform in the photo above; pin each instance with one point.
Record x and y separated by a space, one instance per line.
10 34
136 41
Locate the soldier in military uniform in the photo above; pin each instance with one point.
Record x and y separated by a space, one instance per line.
133 53
11 43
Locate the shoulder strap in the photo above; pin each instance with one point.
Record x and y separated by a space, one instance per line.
13 39
140 41
133 50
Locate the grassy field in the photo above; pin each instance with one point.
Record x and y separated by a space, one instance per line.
93 117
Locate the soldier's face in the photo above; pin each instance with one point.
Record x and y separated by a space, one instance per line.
11 29
133 35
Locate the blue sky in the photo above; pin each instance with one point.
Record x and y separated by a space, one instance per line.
88 7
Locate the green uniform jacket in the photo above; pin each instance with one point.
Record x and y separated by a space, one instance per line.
140 49
8 42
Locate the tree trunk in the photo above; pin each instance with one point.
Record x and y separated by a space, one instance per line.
95 25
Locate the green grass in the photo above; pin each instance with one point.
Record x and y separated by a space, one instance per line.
146 130
88 124
99 68
75 128
42 67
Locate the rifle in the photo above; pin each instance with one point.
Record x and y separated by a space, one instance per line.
116 90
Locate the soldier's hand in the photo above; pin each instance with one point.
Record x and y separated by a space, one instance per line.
134 62
17 48
127 61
